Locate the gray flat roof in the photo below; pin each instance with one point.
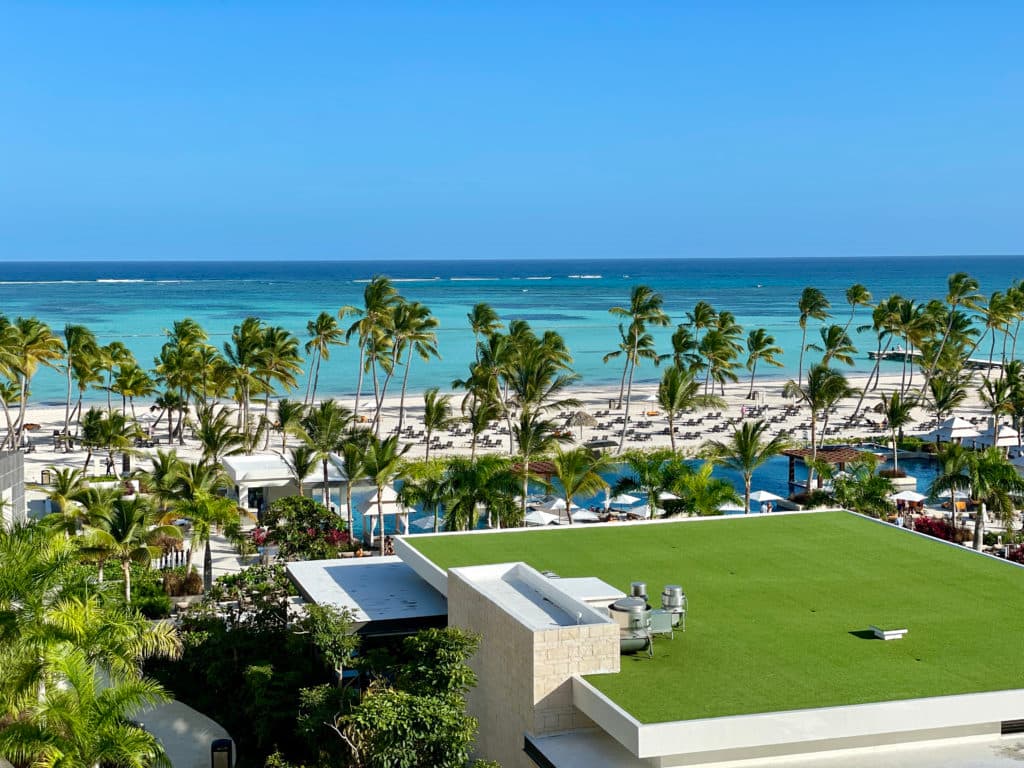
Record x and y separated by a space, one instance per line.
377 590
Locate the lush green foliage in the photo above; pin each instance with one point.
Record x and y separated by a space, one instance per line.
304 529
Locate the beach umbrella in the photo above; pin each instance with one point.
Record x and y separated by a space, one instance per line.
760 496
912 496
955 428
666 496
538 517
652 398
581 419
730 507
553 505
1004 436
622 500
427 524
644 511
585 516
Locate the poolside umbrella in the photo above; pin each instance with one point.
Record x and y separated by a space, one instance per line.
427 523
955 428
760 496
553 505
584 516
622 500
537 517
581 419
730 507
652 398
912 496
1004 436
666 496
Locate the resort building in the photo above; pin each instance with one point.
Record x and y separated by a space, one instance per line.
12 488
744 640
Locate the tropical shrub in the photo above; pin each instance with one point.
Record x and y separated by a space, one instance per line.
938 528
304 529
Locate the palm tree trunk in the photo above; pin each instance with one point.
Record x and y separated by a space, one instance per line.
671 430
867 384
316 377
380 518
746 493
938 355
359 379
348 508
800 364
327 487
895 453
814 449
753 371
126 570
67 404
979 526
207 566
401 401
622 381
629 392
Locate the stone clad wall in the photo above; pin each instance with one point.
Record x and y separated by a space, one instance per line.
524 677
12 487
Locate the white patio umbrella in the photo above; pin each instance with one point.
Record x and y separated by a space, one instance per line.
622 500
537 517
760 496
913 496
652 398
955 428
666 496
584 516
730 507
1005 436
427 524
554 505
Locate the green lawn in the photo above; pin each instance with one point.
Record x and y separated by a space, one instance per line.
775 603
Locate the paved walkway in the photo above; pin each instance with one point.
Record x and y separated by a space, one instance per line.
185 733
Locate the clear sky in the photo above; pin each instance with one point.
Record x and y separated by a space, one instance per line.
247 130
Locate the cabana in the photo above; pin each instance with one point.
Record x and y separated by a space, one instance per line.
1003 436
836 456
263 478
954 429
390 507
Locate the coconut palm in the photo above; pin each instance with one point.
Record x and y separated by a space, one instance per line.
645 308
881 324
702 317
857 295
484 322
65 485
244 356
946 392
353 457
279 365
824 388
216 434
863 490
988 476
761 346
644 345
323 430
131 382
534 436
384 465
747 449
701 494
301 461
997 396
898 412
579 473
812 305
32 344
437 414
289 415
114 355
479 413
379 296
835 345
962 291
685 352
419 339
486 481
424 487
128 533
653 473
206 510
679 391
79 345
324 333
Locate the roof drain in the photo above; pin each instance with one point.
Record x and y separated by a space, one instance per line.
1011 726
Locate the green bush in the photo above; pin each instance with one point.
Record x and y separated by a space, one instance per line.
303 529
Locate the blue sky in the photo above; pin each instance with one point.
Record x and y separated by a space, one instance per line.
379 130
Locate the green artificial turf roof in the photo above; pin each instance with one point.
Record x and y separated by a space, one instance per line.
778 609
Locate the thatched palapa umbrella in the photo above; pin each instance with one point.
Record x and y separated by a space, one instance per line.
581 419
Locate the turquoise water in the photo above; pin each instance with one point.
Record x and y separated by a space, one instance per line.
135 301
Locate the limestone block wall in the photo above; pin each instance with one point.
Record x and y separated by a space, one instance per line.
12 487
524 676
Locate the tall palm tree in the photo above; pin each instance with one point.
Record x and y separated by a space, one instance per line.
678 391
747 449
990 478
702 317
244 358
882 324
161 479
484 322
946 393
206 510
824 388
835 345
579 473
324 333
353 456
534 436
486 481
812 305
114 355
34 345
384 465
645 308
685 353
898 412
323 430
289 419
379 296
962 290
479 413
437 414
79 344
279 364
644 346
128 533
419 339
857 295
761 346
131 382
653 473
216 434
424 486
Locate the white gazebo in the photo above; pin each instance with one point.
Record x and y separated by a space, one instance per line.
955 429
389 507
263 478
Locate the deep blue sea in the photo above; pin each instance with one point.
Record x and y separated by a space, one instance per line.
135 302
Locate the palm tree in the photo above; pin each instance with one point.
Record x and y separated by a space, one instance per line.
898 413
812 304
857 295
479 413
824 388
579 472
946 393
289 419
301 461
323 430
761 346
424 486
216 434
353 457
653 473
437 414
679 391
990 478
86 721
645 350
34 345
534 436
379 296
131 382
997 396
882 317
419 337
685 352
65 485
79 344
962 291
835 344
384 465
244 358
468 484
128 533
279 363
645 308
324 333
701 494
702 317
111 356
748 448
863 490
206 510
484 322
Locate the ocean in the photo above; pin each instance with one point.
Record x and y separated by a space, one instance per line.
135 302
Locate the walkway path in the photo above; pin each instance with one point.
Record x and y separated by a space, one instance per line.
185 733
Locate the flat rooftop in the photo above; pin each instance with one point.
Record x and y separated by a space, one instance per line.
779 610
